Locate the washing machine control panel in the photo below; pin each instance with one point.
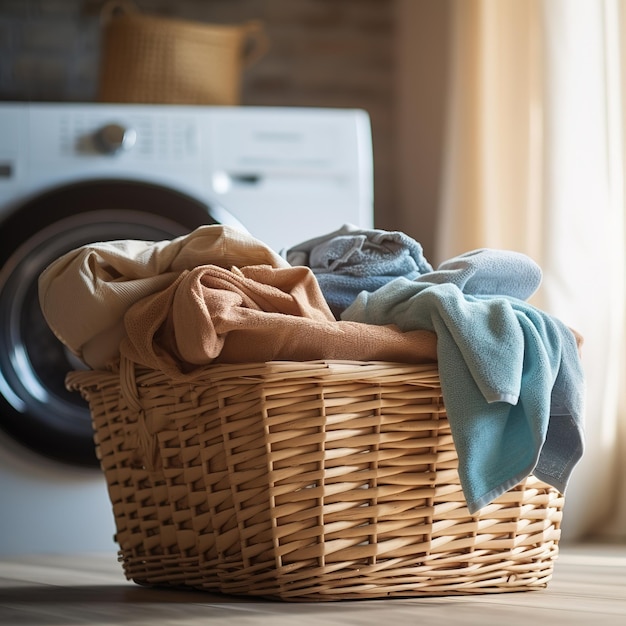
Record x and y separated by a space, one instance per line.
286 173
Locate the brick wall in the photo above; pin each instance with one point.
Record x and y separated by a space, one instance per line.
335 53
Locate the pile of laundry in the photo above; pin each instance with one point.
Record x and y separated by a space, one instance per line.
511 375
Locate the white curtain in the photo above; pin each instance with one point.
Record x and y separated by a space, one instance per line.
534 163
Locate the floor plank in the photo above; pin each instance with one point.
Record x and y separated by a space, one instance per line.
588 587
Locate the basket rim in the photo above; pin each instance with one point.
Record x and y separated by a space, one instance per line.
326 369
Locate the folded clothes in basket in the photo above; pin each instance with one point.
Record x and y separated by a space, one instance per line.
216 294
350 260
510 374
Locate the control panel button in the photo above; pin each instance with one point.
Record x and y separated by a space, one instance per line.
114 138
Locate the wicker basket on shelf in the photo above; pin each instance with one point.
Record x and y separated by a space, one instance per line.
306 481
153 59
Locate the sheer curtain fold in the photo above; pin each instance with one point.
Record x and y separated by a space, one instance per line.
534 163
491 162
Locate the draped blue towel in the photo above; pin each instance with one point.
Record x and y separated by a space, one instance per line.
510 376
350 260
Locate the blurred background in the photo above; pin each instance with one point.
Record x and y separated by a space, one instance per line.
385 56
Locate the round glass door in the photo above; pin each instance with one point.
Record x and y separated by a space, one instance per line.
35 408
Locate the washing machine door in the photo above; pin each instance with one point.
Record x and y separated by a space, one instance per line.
35 408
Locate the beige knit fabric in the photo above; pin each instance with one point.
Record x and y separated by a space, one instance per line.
85 293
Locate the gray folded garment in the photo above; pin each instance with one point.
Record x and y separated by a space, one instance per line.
350 260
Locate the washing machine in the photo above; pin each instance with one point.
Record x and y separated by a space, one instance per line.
72 174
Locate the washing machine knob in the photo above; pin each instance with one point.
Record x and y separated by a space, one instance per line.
114 138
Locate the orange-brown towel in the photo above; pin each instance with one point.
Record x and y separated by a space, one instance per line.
255 314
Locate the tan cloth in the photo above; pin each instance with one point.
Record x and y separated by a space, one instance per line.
255 314
85 293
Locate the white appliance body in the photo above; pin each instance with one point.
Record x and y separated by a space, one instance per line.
283 174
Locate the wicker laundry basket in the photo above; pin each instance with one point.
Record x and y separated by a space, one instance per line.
306 481
161 60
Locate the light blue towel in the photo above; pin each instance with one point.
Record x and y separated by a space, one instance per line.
487 271
350 260
510 376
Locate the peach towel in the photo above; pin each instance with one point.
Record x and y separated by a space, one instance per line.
85 293
255 314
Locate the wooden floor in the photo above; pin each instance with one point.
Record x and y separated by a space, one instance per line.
588 587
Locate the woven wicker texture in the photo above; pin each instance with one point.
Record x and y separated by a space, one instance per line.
160 60
306 481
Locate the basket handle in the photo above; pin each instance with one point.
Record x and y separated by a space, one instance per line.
116 8
144 440
256 42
